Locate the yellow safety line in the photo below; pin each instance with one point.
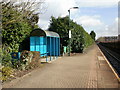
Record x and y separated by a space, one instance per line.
109 65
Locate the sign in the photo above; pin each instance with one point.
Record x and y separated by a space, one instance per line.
69 33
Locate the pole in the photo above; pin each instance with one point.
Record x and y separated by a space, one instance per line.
69 34
70 30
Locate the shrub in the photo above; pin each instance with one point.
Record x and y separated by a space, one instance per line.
35 60
29 59
5 58
16 64
7 73
6 70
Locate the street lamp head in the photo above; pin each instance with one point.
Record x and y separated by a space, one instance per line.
75 7
69 10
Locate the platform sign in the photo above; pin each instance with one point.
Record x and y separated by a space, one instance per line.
69 33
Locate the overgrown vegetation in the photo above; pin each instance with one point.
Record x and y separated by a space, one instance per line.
7 73
18 20
29 60
16 26
80 38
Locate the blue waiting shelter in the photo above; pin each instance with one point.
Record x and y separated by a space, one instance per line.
46 42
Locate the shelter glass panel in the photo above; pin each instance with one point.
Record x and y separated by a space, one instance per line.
37 47
32 40
37 40
32 47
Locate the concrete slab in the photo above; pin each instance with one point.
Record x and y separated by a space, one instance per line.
100 58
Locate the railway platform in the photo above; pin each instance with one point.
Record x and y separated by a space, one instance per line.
88 70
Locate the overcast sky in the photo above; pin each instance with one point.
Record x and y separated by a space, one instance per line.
98 15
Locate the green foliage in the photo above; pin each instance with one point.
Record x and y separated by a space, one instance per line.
1 54
87 39
7 73
29 59
5 58
16 64
80 38
77 40
5 69
60 25
17 23
93 35
16 26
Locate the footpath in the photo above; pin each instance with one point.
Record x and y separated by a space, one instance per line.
88 70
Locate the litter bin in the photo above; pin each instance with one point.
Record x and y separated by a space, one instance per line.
15 55
64 50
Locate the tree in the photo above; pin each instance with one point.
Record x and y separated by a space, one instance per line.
29 9
93 35
77 40
79 35
60 25
17 23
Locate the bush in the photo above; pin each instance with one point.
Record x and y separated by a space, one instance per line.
16 64
5 58
7 73
35 60
6 70
29 59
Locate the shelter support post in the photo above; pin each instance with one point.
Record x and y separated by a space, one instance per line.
54 46
59 45
50 49
46 49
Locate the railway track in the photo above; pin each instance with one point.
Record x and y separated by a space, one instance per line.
113 59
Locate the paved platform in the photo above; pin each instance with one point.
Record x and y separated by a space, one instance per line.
88 70
43 60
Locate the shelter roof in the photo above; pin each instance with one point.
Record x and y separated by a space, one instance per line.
40 32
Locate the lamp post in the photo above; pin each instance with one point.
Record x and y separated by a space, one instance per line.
70 30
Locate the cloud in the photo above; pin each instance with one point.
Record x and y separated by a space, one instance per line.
94 23
97 3
113 29
55 8
60 8
108 30
119 26
89 21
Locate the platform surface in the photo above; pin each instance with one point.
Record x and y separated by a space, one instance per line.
88 70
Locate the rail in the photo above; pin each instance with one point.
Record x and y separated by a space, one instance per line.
113 61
